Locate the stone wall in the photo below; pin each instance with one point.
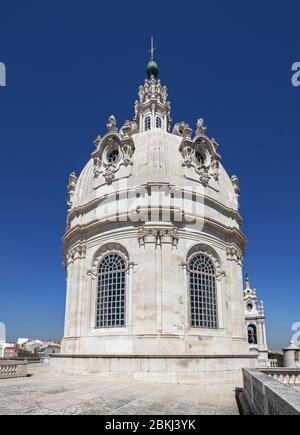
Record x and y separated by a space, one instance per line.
267 396
13 369
160 368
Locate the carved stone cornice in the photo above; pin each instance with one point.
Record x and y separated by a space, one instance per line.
230 234
78 252
158 235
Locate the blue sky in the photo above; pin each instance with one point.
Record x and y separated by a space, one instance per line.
71 64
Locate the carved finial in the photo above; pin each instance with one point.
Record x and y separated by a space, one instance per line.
236 186
201 128
72 179
97 141
215 143
71 188
112 124
247 282
152 50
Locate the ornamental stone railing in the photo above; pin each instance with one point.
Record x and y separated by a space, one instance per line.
13 369
269 363
267 396
286 376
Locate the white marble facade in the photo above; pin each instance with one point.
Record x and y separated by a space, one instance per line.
156 198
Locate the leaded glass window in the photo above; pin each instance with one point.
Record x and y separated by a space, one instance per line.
203 296
158 122
147 123
111 294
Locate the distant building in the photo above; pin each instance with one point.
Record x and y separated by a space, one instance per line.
50 350
22 341
30 345
11 352
8 350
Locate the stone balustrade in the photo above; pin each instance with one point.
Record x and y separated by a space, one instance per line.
13 369
265 395
286 376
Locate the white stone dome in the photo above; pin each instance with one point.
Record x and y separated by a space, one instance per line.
153 202
156 155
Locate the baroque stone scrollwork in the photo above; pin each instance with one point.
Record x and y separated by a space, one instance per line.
204 175
236 186
182 129
71 189
201 128
158 235
109 172
234 254
200 153
78 252
112 124
114 150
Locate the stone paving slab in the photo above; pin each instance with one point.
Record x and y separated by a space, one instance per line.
40 394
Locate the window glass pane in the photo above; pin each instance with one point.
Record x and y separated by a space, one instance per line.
203 298
110 310
158 122
147 123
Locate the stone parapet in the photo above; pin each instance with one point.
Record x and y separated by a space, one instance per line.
267 396
13 369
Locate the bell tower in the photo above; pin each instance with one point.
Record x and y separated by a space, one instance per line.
255 321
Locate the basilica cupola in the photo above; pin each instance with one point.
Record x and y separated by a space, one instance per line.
154 251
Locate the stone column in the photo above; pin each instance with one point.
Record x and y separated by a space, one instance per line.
289 356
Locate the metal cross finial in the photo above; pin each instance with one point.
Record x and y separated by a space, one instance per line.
152 49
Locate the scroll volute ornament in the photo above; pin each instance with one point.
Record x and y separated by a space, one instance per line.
200 153
120 142
71 189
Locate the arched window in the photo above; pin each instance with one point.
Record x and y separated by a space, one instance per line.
147 123
111 294
203 297
158 122
252 334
